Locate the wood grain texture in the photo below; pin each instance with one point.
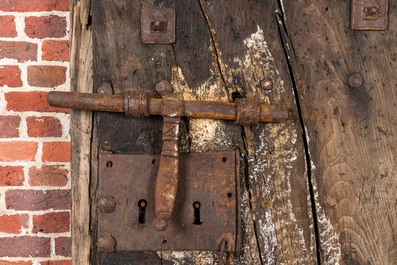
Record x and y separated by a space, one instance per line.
249 50
350 130
223 49
81 131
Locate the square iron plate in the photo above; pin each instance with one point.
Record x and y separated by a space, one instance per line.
209 179
157 25
369 14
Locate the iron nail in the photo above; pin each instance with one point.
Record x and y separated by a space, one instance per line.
106 204
266 84
159 25
106 243
355 80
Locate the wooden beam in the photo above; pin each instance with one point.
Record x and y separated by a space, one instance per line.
81 130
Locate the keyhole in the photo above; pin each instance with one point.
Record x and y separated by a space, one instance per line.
142 204
196 207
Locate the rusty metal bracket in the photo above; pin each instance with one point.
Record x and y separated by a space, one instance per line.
206 212
157 25
369 14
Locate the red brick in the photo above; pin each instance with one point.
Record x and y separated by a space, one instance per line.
56 50
44 127
19 50
46 76
5 262
34 6
37 200
30 101
48 176
45 27
56 152
17 151
7 28
63 246
56 262
12 224
51 223
10 75
9 126
11 176
25 246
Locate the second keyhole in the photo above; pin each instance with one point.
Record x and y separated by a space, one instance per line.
142 204
196 208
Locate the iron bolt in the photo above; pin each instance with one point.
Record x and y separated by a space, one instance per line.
105 88
106 243
164 88
355 80
106 204
266 84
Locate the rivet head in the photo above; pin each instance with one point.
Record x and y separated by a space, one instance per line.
106 204
355 80
266 84
164 88
105 88
106 243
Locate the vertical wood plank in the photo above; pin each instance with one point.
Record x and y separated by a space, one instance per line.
350 131
81 130
276 208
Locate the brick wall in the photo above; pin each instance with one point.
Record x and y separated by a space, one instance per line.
34 137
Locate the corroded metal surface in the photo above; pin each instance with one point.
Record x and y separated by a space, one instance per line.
206 205
167 175
157 25
138 104
369 14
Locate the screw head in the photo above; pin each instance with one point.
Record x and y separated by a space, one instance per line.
266 84
106 243
106 204
355 80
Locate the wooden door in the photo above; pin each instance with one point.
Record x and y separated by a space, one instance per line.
317 189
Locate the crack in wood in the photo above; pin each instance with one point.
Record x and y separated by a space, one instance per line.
216 51
289 54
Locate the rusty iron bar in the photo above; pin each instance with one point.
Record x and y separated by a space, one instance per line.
137 104
167 176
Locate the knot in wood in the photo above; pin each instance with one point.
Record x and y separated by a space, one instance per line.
136 104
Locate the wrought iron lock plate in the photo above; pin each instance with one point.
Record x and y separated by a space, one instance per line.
369 14
206 206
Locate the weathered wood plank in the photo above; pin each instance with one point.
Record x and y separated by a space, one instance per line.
277 207
350 131
81 127
223 49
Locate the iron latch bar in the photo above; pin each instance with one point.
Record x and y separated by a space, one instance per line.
138 104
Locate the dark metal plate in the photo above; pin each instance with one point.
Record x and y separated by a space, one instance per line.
207 180
369 14
158 25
